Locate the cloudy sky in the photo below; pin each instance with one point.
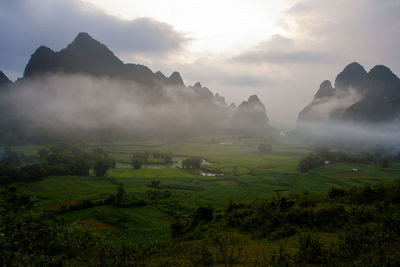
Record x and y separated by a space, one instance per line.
279 50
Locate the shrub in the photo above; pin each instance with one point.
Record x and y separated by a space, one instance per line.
311 250
102 165
203 214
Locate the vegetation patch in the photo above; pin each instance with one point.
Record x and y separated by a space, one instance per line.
265 167
351 174
98 225
60 205
228 182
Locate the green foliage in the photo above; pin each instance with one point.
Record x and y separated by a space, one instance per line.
322 154
310 162
15 158
177 229
28 173
339 217
137 160
311 249
102 165
191 163
34 172
283 259
227 253
36 238
43 152
285 216
66 160
119 197
201 255
365 219
384 162
203 214
155 184
8 173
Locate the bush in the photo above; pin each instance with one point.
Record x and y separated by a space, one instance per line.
310 162
202 256
8 173
177 229
203 214
102 165
34 172
285 231
336 192
311 250
136 162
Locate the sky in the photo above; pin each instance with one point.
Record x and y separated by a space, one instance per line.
279 50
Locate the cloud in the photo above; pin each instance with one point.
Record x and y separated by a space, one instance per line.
82 105
27 24
282 57
355 136
329 108
282 51
366 32
216 71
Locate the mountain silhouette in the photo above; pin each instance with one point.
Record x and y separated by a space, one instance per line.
150 100
86 55
4 81
358 96
250 114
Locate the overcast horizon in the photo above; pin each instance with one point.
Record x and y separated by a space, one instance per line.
279 50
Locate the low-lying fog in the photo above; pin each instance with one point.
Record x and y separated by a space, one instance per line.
385 136
85 103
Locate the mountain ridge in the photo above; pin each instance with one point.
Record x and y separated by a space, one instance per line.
4 81
154 99
374 97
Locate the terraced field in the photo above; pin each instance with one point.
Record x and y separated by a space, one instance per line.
247 174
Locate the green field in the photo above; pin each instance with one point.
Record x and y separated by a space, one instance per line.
247 174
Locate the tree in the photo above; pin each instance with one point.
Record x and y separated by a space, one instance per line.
191 163
186 164
8 173
310 162
34 172
43 152
102 165
80 165
385 162
119 197
136 162
203 214
12 157
196 163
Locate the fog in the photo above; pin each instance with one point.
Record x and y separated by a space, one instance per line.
79 105
326 108
355 136
323 122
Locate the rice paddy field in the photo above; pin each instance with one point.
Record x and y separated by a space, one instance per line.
243 174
